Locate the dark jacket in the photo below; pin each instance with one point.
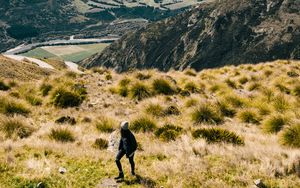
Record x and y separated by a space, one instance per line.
128 143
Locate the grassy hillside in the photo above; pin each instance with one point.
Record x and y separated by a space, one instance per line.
25 71
217 128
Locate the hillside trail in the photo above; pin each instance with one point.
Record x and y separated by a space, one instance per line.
71 66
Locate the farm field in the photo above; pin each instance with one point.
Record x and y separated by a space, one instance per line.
74 53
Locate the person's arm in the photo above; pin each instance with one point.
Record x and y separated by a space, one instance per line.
120 144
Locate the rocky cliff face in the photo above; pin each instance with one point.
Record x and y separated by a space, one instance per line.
214 34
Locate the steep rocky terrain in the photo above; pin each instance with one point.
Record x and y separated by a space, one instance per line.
214 34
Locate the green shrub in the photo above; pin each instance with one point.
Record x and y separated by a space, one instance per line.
168 132
162 86
274 123
62 135
105 124
13 126
10 107
154 109
142 76
291 136
143 124
100 143
139 91
4 86
45 89
205 113
191 87
33 100
64 98
248 116
215 135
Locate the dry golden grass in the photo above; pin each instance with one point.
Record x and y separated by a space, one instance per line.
181 162
11 69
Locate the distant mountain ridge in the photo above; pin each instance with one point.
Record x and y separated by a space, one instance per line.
37 20
214 34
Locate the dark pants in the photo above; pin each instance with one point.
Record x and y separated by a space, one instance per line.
119 156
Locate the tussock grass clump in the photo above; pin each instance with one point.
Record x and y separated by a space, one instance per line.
62 135
139 91
168 132
100 143
143 76
123 91
230 83
191 102
206 113
274 123
154 109
291 136
191 87
282 88
108 76
215 135
124 82
162 86
33 100
248 116
296 90
15 127
171 110
45 89
143 124
190 72
254 86
4 86
243 80
10 107
235 101
105 124
280 103
66 98
225 109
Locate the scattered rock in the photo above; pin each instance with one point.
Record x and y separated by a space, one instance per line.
90 105
62 170
40 185
259 183
66 119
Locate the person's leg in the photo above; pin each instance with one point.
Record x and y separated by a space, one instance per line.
119 156
131 161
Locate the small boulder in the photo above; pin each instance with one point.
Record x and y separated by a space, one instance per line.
40 185
66 119
259 183
62 170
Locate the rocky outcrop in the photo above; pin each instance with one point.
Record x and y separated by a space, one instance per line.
214 34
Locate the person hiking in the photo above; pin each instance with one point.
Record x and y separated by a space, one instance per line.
127 146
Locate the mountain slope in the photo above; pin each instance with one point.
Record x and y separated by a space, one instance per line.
213 34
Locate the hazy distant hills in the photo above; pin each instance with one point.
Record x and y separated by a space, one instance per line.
36 20
212 35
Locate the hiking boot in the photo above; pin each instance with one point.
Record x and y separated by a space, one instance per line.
121 176
132 173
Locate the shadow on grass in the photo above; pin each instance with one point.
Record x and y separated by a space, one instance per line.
145 181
